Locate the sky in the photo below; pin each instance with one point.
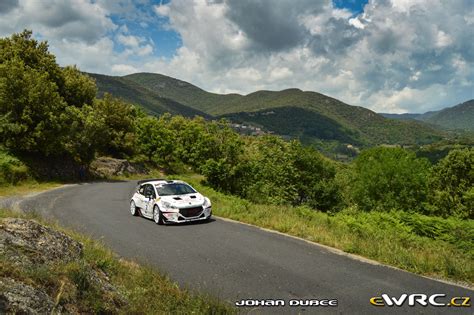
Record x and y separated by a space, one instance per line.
386 55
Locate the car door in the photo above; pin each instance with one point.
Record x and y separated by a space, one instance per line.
140 197
149 199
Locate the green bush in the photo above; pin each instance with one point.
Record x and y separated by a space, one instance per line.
388 178
271 170
12 170
452 185
51 112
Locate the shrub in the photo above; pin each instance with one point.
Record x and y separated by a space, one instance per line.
12 170
452 185
388 178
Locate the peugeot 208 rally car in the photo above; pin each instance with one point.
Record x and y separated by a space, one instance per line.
169 201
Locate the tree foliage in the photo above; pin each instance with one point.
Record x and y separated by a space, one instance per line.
78 90
385 178
452 185
51 112
271 170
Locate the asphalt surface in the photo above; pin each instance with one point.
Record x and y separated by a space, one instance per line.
234 261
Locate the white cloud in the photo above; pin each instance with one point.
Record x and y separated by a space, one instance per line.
356 23
280 73
123 69
247 74
443 39
399 55
130 40
162 9
145 50
393 57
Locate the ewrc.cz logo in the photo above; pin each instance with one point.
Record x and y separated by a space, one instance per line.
438 300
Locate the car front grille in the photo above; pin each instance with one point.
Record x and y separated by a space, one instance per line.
190 212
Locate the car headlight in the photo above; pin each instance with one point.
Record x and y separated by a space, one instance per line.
207 203
168 205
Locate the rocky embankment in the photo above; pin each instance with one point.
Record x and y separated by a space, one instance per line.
44 271
106 167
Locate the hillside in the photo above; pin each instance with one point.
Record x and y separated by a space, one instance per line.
404 116
183 92
307 125
134 93
457 117
460 117
302 114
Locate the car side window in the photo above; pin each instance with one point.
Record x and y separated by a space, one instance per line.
150 191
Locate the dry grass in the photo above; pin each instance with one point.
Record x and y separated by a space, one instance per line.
26 187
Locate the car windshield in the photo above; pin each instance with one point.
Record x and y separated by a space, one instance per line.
175 189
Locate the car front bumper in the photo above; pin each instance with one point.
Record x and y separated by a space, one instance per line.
176 217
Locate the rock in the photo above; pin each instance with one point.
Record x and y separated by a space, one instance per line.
106 167
26 242
39 264
20 298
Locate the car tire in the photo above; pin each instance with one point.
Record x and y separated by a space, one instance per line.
133 209
157 216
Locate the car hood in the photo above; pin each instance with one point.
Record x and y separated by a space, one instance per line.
185 201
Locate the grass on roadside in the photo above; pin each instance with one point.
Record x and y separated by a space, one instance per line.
146 291
26 187
432 246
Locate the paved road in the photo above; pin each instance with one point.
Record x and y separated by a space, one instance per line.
234 261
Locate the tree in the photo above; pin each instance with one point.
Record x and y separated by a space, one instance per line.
452 185
118 129
79 89
315 182
51 114
155 141
30 106
384 178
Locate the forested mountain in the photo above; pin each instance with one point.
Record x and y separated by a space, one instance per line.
137 94
292 112
459 117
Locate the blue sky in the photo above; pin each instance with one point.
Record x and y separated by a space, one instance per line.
355 6
386 55
166 40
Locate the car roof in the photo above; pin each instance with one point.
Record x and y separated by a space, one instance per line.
160 182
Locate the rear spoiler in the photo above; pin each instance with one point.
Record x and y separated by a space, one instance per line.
150 180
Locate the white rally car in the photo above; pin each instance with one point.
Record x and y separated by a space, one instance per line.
169 201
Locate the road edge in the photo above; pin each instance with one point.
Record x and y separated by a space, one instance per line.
349 255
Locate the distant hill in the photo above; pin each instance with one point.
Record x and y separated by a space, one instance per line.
300 114
136 94
404 116
307 125
183 92
458 117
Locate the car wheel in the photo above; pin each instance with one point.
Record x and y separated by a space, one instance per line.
157 216
133 208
